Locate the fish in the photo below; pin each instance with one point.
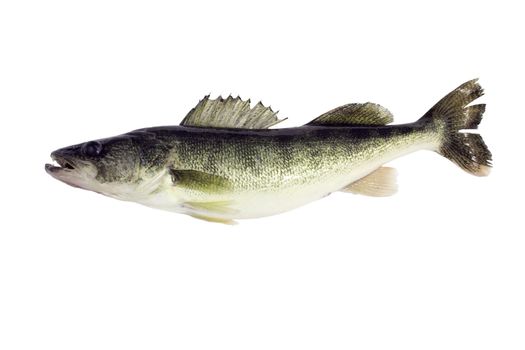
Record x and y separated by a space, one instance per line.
224 162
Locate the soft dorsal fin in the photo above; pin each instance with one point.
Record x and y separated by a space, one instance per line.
355 114
230 113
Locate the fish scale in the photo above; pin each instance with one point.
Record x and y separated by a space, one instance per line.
224 163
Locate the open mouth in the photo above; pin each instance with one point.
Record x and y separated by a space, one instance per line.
59 163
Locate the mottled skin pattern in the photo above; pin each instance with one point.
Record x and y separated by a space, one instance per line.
269 159
273 169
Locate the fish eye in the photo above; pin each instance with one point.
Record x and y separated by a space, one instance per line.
92 148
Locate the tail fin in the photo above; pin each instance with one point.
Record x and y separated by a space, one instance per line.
453 120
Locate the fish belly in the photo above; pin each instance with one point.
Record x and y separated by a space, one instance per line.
266 203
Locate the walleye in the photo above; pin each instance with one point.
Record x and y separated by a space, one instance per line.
224 163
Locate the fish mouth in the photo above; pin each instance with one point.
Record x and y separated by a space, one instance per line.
70 170
65 170
60 164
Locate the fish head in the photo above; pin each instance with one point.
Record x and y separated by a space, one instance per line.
108 166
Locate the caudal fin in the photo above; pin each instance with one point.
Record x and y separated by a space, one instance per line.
453 120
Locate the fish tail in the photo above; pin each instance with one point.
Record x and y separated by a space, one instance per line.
452 121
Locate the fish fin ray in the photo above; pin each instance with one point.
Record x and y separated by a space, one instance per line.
214 219
217 207
454 120
380 183
214 211
359 114
230 112
199 181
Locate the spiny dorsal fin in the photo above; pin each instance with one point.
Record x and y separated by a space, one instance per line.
355 114
230 113
379 183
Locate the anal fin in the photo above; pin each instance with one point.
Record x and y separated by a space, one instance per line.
379 183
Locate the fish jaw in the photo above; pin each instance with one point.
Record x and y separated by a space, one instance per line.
83 175
75 173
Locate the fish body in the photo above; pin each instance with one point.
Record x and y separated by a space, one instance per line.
224 163
270 171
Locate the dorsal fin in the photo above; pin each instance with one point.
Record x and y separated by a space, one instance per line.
230 113
355 114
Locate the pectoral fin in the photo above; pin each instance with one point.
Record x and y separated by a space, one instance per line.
200 181
380 183
203 184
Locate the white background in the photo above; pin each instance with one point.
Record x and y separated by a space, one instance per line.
438 266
